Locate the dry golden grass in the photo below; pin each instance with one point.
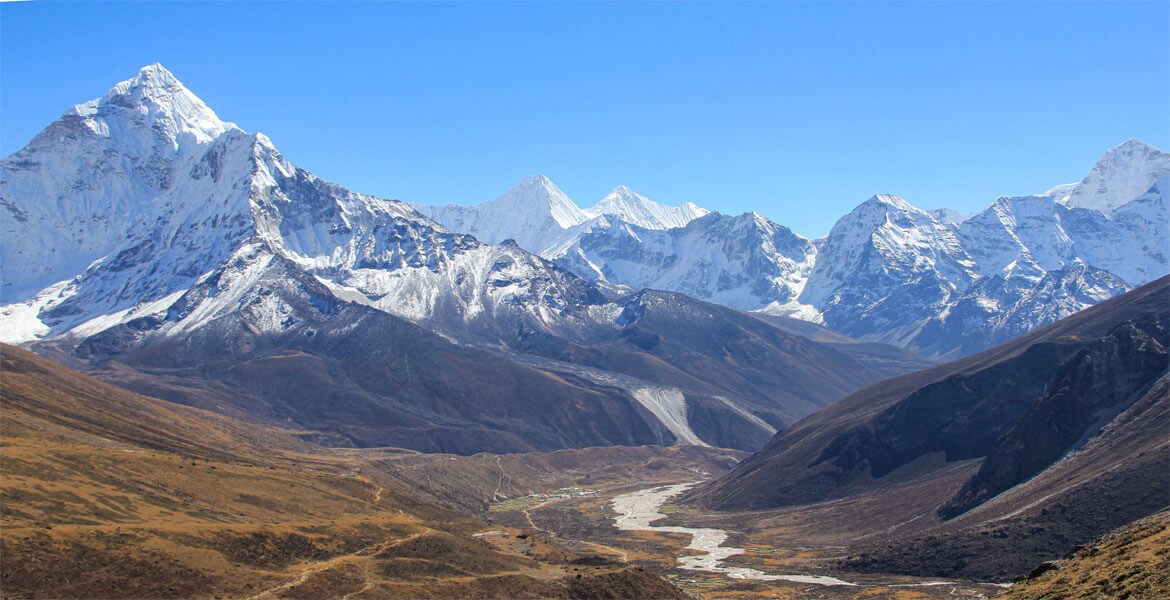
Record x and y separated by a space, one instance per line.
107 494
1132 562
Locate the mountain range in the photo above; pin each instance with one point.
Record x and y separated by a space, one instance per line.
171 252
935 282
151 242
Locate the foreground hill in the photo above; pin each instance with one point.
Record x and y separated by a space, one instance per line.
1131 562
109 494
1033 446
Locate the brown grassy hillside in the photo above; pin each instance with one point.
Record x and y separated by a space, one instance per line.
1132 562
104 493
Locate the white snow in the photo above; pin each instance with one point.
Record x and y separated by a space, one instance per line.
20 322
532 213
794 309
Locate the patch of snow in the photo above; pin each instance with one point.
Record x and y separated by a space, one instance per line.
20 322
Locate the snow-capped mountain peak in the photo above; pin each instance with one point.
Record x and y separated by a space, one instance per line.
893 201
624 191
154 97
1125 172
533 213
115 167
639 210
875 251
882 210
535 197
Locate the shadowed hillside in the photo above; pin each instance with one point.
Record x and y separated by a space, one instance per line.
1023 451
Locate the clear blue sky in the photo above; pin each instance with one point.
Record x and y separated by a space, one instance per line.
798 111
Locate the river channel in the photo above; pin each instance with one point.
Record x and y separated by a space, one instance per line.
637 510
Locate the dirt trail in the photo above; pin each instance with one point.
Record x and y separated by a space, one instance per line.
500 483
325 565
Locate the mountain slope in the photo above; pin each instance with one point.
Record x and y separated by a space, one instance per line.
731 376
266 338
743 262
959 409
1035 445
1103 379
1129 562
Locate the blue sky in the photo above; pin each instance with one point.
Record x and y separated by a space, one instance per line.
798 111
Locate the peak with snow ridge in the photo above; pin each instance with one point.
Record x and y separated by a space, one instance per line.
139 215
153 97
537 197
533 213
1125 172
639 210
886 256
114 166
890 202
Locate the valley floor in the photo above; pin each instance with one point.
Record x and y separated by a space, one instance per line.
587 524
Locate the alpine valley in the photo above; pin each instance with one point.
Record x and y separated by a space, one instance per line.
237 379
